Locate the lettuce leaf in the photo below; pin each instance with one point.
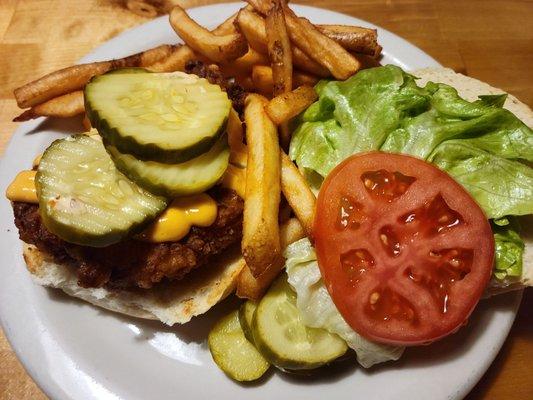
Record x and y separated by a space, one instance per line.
486 148
317 310
500 186
355 115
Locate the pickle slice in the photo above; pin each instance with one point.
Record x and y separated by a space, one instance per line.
84 199
173 180
246 317
233 353
163 117
284 340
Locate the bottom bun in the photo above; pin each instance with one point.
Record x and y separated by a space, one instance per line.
170 302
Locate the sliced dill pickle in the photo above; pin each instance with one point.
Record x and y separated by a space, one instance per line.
84 199
173 180
283 339
246 317
233 353
163 117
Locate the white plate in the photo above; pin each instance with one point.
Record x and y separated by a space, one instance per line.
76 351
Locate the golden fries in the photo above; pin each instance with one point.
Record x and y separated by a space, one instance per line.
74 78
288 105
298 194
353 38
235 178
238 151
67 105
261 6
253 28
58 83
263 80
260 239
249 287
279 48
300 78
227 27
216 48
244 64
320 48
175 61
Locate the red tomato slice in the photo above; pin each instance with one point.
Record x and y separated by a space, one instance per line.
405 252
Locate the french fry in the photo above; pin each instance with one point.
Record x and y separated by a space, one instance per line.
368 61
353 38
320 48
216 48
175 61
227 27
260 238
263 80
253 28
288 105
235 178
74 78
261 6
67 105
298 194
280 53
244 64
238 151
249 287
300 78
279 48
245 81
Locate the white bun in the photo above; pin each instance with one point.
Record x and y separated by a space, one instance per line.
169 302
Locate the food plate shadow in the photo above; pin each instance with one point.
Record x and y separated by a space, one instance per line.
68 126
456 345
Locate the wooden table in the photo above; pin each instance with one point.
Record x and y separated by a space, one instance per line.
487 39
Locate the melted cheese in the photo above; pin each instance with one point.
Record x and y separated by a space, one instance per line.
235 178
23 188
177 219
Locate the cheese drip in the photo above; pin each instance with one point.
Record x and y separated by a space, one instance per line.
176 221
23 188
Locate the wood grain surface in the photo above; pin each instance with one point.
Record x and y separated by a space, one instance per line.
486 39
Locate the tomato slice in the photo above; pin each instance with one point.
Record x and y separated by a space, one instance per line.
404 250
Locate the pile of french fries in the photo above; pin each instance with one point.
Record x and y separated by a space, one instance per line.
277 57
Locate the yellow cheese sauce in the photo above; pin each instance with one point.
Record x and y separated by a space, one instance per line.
176 221
23 188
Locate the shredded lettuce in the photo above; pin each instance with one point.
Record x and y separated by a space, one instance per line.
317 310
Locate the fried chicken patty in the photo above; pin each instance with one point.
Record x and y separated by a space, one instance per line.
134 263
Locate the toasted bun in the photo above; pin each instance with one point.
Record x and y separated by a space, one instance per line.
169 302
469 89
